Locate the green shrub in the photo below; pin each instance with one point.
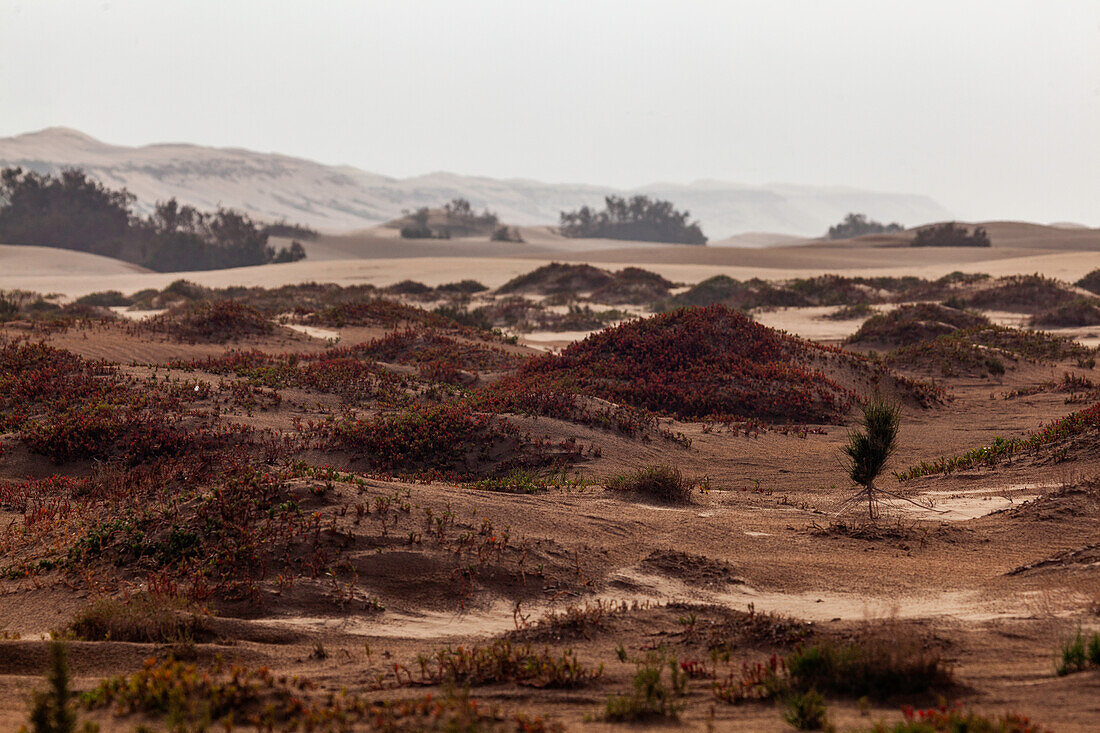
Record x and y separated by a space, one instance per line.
806 711
52 710
105 299
1078 652
652 697
879 667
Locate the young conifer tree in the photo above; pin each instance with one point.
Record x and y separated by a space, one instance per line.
870 446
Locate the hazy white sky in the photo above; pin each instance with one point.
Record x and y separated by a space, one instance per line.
990 106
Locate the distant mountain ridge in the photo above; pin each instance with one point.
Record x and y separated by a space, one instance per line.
342 198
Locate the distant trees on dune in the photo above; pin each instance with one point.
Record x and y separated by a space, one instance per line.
456 219
638 218
950 234
856 225
73 211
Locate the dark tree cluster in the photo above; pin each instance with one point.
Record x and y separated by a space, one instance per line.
950 234
456 219
856 225
639 218
73 211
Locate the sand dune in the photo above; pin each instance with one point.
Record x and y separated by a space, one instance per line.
341 198
380 257
38 262
58 277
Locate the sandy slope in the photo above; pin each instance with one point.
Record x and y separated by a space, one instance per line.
38 262
379 256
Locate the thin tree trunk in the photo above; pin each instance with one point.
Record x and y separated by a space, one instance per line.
871 499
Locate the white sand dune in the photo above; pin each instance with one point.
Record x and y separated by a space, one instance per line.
342 198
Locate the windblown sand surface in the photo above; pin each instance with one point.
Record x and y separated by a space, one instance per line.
994 569
380 257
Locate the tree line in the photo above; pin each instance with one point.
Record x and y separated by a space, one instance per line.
72 211
639 218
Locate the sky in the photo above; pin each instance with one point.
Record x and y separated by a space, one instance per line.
991 107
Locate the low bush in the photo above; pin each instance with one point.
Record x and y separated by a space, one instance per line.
806 711
663 483
105 299
378 312
851 312
878 665
1079 652
143 618
953 720
652 697
503 662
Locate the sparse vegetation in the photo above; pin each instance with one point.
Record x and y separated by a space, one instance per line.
652 697
146 618
1079 652
663 483
875 665
954 720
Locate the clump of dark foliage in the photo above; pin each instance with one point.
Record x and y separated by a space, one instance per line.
73 211
856 225
950 234
639 218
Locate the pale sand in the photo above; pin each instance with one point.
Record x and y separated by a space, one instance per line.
60 276
379 257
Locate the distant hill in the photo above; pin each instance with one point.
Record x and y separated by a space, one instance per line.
343 198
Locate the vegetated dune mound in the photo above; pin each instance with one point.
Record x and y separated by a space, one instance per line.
378 312
558 277
629 285
822 290
1072 438
708 362
1020 293
215 322
910 324
983 350
1090 282
1080 312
